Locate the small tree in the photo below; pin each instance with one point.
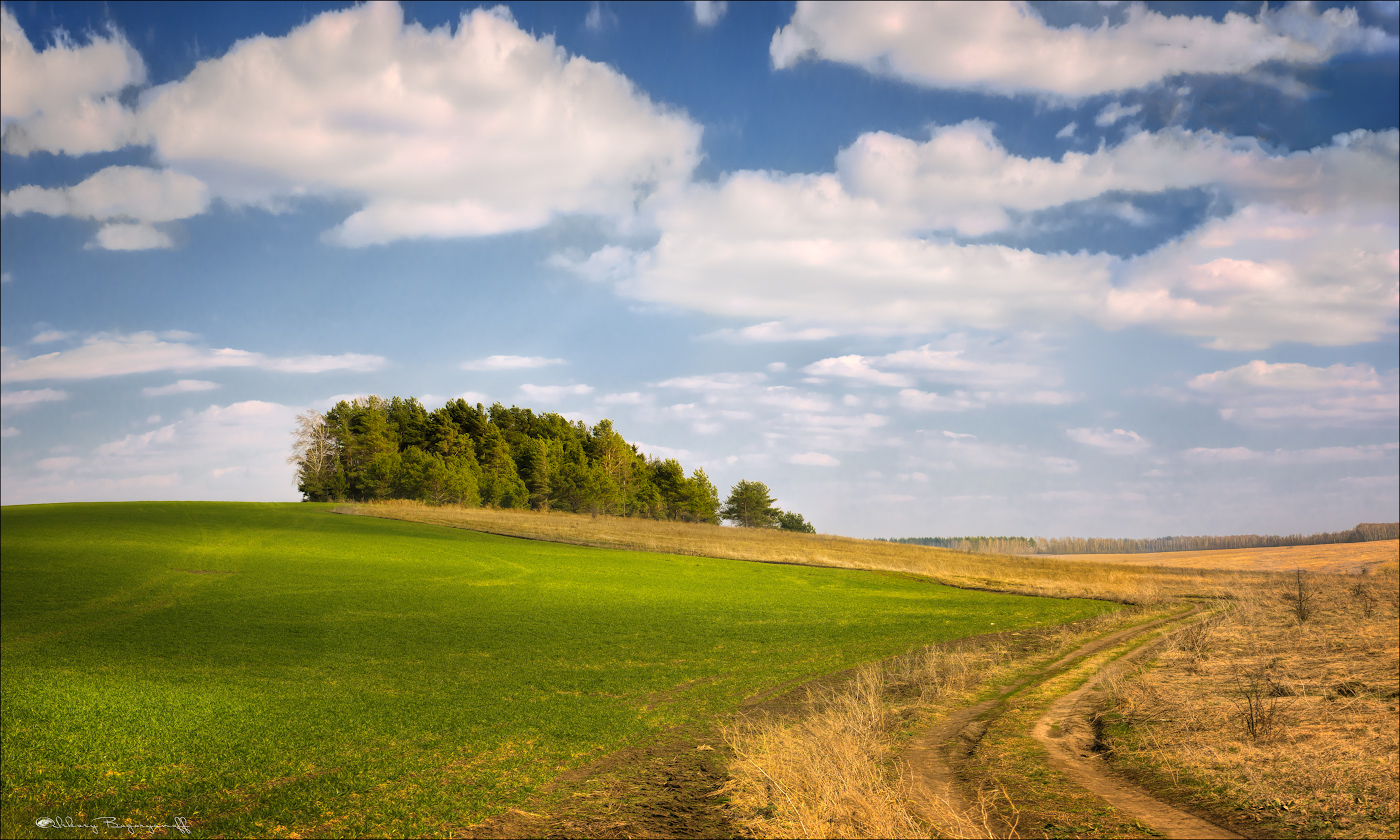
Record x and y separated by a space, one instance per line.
750 505
790 521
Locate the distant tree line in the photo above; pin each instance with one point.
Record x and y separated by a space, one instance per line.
1365 532
371 448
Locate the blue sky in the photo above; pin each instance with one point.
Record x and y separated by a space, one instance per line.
1077 269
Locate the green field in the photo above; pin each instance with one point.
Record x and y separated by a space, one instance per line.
265 669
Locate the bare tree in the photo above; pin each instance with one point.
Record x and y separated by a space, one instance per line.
315 454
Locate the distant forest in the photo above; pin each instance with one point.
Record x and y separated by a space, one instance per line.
372 448
1365 532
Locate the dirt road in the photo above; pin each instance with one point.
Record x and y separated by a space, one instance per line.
937 760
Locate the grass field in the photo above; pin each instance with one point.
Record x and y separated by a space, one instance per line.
1084 576
1337 558
279 670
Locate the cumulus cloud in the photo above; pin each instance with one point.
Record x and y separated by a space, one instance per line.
814 459
1116 441
64 98
509 363
439 133
708 12
183 386
135 196
117 192
1261 393
1008 48
108 354
858 251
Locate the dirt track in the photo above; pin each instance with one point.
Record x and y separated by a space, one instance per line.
935 758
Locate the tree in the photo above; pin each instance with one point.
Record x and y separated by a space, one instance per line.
317 457
789 521
750 505
702 499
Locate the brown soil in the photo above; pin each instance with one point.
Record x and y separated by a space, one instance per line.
666 788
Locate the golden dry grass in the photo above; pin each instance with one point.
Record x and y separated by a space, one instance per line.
1336 558
1322 758
1030 575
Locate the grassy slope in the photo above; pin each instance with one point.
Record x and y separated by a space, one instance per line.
353 675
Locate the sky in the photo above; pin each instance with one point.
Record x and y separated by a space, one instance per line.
1116 270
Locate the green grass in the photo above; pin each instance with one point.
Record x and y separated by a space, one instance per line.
346 675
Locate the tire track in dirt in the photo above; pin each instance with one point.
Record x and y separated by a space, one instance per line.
932 759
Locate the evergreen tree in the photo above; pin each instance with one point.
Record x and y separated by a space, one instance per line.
750 505
789 521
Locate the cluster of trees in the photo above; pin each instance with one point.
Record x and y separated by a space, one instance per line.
371 448
1365 532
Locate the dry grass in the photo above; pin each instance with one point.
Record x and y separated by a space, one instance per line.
1030 575
1295 722
828 769
1338 558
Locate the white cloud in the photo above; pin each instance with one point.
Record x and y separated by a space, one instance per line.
509 363
50 336
124 236
64 99
777 367
599 18
438 133
1008 48
959 435
231 452
1261 393
9 432
553 393
183 386
774 331
1320 455
916 400
107 354
1115 111
1312 245
714 382
708 12
1116 441
20 400
117 192
1067 132
856 368
629 398
814 459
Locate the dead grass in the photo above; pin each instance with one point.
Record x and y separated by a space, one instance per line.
1338 558
1030 575
1295 723
827 767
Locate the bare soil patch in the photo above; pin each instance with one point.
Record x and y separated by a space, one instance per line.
666 788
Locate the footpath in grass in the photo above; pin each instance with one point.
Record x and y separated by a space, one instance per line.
274 670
